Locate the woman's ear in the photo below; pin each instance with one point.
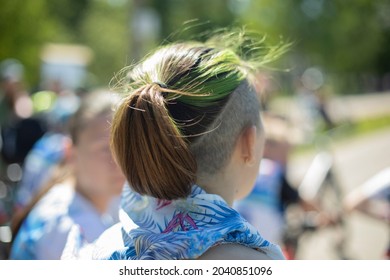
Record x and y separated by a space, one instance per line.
247 145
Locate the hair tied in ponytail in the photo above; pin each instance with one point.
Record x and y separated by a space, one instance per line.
161 85
163 88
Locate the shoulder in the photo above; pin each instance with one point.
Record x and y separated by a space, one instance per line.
233 252
111 237
56 200
41 238
49 215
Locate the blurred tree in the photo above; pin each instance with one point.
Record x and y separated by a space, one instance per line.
190 19
101 24
345 38
24 26
153 22
105 29
69 14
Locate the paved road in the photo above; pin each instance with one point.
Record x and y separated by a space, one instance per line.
355 161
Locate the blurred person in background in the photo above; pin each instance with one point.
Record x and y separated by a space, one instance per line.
84 189
265 207
14 99
372 198
18 131
53 105
51 148
312 98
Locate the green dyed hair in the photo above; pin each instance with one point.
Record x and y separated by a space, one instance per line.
183 109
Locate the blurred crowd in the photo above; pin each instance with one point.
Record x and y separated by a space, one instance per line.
56 167
56 170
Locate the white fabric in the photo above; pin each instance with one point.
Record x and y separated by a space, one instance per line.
44 232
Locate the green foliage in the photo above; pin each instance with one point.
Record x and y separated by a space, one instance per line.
24 26
105 30
347 39
27 25
371 124
70 14
183 20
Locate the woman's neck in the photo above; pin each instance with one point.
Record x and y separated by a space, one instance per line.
223 184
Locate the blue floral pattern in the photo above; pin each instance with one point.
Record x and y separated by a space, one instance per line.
178 229
43 234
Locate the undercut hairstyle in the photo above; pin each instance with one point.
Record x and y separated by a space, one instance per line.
183 110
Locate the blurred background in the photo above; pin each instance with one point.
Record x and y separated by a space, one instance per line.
332 89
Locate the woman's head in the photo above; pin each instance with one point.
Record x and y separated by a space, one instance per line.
95 170
184 107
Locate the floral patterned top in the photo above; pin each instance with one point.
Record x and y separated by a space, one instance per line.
177 229
43 234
